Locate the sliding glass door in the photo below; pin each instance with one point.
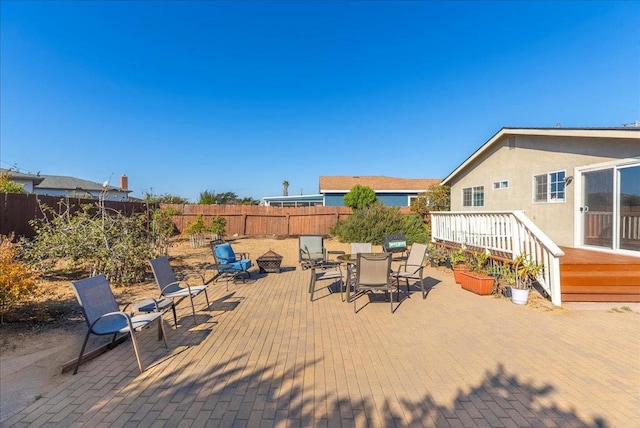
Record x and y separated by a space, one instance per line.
611 208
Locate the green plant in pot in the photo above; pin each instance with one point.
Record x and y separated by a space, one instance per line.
458 262
477 280
437 256
526 271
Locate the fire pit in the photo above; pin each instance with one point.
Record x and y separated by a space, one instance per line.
269 262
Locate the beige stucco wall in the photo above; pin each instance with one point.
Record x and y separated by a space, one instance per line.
535 155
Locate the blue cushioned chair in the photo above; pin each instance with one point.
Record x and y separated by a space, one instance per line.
230 265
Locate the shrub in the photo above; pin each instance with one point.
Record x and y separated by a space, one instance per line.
8 186
197 229
163 227
371 224
94 241
17 280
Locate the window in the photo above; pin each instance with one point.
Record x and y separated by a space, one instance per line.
504 184
549 187
473 196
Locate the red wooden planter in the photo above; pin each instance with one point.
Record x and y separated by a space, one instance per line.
456 272
478 283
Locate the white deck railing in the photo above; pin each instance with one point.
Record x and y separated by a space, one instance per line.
504 233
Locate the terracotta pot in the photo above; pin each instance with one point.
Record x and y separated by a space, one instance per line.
478 283
456 272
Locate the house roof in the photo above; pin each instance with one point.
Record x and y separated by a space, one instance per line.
35 178
379 183
72 183
551 132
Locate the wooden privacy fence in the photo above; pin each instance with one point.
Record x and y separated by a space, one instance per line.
17 209
252 220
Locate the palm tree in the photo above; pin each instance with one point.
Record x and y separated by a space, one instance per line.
285 188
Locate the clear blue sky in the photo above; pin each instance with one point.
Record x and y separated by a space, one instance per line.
187 96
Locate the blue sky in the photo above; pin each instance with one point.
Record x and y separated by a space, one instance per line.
187 96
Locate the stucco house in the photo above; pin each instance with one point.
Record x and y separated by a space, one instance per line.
391 191
569 198
581 186
56 185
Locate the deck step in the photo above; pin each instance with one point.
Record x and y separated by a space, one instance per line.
599 278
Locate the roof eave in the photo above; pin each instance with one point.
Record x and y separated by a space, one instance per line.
555 132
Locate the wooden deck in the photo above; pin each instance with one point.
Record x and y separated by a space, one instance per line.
594 276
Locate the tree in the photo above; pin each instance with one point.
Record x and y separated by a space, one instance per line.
360 197
436 198
8 186
165 199
285 188
227 198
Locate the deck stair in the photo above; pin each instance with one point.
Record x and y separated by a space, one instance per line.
593 276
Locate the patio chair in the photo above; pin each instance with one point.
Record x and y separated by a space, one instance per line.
360 247
412 268
104 317
373 274
311 250
320 272
171 288
229 264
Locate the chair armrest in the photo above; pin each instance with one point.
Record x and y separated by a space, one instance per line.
144 302
192 274
243 256
109 314
174 283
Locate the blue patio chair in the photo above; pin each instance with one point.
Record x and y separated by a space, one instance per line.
229 264
104 317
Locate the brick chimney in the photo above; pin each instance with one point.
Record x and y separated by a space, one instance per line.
124 182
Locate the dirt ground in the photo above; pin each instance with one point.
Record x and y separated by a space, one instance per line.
31 353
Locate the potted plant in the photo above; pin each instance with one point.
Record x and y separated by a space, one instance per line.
477 280
458 262
438 256
525 271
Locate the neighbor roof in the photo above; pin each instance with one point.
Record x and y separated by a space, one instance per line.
35 178
551 132
72 183
379 183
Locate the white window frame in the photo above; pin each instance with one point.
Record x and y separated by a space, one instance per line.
475 192
501 185
549 199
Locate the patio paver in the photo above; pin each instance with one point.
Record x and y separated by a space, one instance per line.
264 356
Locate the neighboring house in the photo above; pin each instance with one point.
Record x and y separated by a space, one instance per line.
28 181
391 191
55 185
293 201
580 186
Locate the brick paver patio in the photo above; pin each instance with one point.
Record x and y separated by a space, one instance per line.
263 355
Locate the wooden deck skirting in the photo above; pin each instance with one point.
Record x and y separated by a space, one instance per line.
594 276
